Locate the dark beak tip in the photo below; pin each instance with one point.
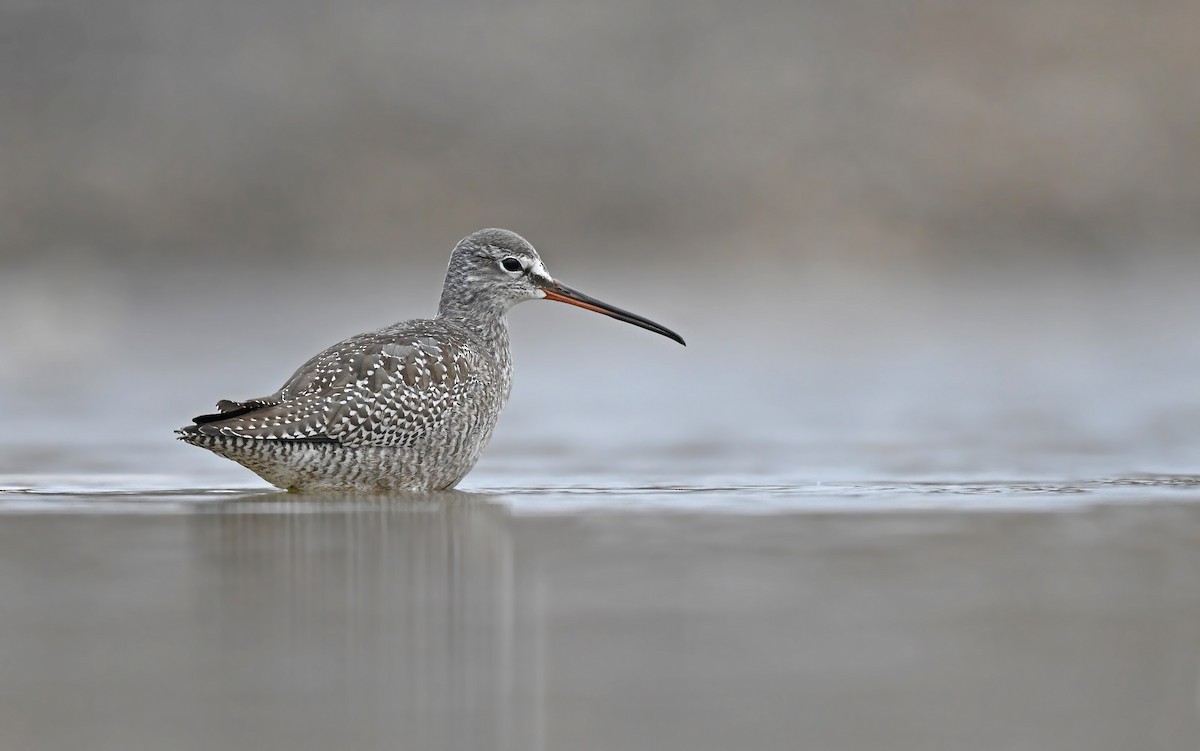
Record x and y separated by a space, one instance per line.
560 292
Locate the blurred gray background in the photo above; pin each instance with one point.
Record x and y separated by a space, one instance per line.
856 212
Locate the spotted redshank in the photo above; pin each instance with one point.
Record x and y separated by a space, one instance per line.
407 407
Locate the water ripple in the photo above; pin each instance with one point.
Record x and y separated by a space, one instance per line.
168 494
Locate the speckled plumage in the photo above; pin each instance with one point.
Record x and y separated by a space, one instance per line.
407 407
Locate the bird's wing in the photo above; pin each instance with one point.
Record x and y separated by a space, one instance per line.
372 389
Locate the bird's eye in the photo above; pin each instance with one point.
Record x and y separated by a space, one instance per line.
512 264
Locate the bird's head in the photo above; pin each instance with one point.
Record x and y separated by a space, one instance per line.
494 269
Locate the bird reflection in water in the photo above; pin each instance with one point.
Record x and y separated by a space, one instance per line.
415 610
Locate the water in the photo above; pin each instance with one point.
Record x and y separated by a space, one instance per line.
561 609
845 517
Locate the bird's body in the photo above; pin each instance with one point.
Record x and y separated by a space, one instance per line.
407 407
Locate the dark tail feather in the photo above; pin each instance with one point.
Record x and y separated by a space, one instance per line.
230 410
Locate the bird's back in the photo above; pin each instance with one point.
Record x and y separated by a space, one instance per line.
410 406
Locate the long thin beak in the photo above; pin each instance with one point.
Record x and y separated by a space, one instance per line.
562 293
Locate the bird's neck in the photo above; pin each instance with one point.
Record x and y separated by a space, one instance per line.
491 326
484 315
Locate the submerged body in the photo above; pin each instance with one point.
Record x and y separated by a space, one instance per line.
408 407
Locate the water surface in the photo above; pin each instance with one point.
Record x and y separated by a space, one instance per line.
909 516
154 611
